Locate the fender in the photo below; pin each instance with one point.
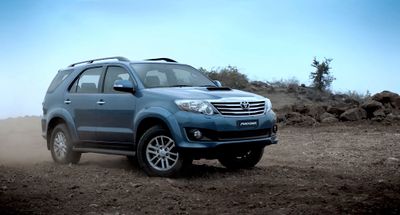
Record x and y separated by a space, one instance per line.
66 116
159 113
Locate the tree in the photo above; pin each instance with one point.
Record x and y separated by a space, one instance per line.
229 76
321 78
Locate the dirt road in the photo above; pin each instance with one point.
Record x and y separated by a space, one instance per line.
342 168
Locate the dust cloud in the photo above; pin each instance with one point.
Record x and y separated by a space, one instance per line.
21 142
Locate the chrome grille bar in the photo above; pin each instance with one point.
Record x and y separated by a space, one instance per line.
236 109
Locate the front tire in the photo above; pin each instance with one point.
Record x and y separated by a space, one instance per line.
157 153
61 146
242 160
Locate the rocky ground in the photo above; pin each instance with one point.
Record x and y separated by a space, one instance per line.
381 108
338 168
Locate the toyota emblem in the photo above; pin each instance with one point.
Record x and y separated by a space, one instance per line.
245 105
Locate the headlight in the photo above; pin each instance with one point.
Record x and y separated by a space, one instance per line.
197 106
268 105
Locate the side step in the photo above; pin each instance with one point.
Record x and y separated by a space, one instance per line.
105 151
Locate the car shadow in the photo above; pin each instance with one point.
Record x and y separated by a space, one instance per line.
199 169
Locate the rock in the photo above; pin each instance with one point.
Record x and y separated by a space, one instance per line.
396 103
386 97
387 111
353 114
316 111
308 121
370 106
135 185
326 115
337 111
293 118
329 120
280 117
392 161
379 113
351 101
300 108
73 187
393 117
377 119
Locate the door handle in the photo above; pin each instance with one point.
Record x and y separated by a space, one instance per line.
101 102
67 101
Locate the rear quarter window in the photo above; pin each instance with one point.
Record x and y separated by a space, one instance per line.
60 77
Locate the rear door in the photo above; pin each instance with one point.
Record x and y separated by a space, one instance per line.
116 112
82 102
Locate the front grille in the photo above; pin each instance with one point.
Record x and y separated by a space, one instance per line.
238 109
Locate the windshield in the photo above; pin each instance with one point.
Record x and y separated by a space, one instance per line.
170 75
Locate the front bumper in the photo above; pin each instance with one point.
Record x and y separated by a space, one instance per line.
181 121
213 150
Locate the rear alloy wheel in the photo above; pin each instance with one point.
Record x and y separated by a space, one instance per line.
61 146
246 159
157 153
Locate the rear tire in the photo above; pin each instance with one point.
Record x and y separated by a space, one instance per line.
242 160
61 146
157 153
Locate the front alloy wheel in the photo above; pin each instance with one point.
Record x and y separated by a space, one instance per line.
161 153
157 153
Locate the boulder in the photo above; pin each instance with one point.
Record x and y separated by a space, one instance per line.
293 118
387 111
351 101
300 108
393 117
329 120
371 106
386 97
326 115
308 121
379 113
316 111
335 110
353 114
396 103
280 117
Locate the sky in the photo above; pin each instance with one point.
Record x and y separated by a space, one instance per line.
266 40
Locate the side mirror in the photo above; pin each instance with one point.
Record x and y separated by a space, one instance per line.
124 86
218 83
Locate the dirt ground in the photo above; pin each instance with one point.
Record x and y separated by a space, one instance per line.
341 168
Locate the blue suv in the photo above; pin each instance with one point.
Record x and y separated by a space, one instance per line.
157 112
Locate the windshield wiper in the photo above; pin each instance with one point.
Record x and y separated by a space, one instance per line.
181 85
207 85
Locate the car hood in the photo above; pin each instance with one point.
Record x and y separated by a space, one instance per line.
200 93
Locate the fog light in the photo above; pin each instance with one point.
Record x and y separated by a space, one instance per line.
275 129
196 134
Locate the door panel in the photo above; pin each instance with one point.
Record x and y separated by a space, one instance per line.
85 115
81 102
116 113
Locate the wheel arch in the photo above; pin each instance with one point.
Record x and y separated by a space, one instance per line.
150 118
56 118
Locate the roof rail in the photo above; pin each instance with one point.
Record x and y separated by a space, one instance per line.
163 58
99 59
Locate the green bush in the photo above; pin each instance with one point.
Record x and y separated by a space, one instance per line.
229 76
